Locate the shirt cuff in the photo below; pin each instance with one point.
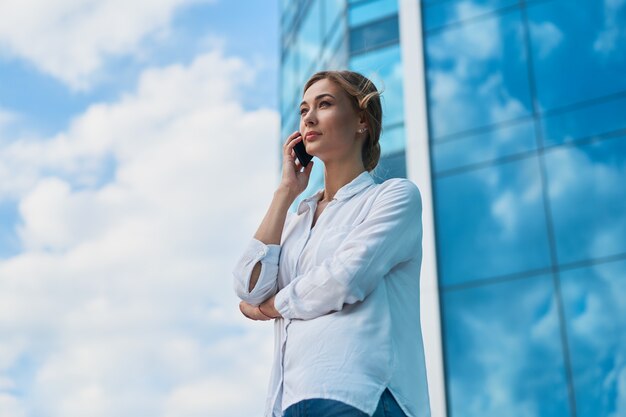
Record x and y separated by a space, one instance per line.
259 251
281 304
268 256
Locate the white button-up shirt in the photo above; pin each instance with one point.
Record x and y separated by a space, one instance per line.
348 291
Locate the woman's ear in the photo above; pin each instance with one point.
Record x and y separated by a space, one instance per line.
362 121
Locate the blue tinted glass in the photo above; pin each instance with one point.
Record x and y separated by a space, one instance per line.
309 42
392 140
585 122
333 12
447 12
506 141
335 53
578 50
339 56
477 75
503 352
374 35
490 222
366 12
288 86
390 166
595 312
588 199
288 13
289 124
384 68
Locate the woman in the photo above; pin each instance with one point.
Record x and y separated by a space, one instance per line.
340 277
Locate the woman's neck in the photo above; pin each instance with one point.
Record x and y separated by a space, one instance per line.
336 175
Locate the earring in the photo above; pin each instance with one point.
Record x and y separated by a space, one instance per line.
362 130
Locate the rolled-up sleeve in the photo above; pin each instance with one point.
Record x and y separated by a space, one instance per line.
266 285
390 234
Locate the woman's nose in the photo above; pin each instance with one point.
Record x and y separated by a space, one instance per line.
309 118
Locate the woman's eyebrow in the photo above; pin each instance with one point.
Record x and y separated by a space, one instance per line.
318 97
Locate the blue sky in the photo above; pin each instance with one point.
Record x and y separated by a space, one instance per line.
125 201
47 104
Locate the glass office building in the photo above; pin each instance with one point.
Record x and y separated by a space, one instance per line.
510 115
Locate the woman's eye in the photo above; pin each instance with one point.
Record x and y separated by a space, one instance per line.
302 111
324 103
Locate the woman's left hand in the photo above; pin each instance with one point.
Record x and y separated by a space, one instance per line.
254 313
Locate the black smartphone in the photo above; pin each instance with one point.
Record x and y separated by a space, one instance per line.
300 151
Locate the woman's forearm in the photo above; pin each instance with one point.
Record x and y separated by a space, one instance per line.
271 228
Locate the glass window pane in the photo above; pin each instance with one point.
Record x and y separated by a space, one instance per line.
446 12
366 12
503 352
477 75
588 199
490 222
377 34
595 312
392 140
288 86
384 68
497 143
288 13
585 122
335 53
390 166
333 12
289 125
339 57
578 50
309 43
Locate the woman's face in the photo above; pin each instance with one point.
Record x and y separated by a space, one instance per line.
329 122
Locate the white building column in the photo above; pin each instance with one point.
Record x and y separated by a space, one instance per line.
418 170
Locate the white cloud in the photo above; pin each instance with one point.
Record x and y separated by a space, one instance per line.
7 118
501 105
462 61
575 180
70 39
612 35
546 37
503 209
122 297
620 400
470 41
9 406
504 350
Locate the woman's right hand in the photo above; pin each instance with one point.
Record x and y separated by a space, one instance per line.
294 178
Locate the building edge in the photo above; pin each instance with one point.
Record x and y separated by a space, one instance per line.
419 171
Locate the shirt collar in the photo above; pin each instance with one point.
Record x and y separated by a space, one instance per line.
362 181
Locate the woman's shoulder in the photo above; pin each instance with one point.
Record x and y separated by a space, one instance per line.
397 192
400 186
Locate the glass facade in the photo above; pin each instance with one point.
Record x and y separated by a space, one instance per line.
527 122
526 103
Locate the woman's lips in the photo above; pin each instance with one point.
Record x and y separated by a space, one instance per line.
311 135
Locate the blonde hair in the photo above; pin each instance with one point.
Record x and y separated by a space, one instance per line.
364 98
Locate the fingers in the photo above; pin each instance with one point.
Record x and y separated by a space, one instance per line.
291 137
251 312
308 169
292 140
